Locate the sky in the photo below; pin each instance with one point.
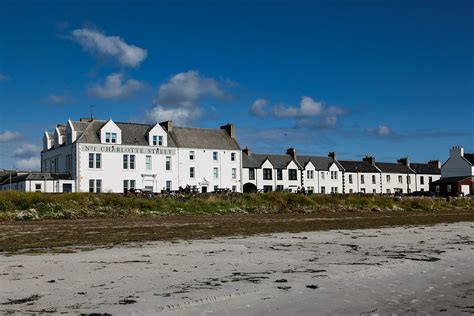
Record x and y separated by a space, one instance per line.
386 78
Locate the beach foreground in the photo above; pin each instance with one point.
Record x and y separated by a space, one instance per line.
402 270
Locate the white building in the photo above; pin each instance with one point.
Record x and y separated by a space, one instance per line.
104 156
361 176
459 164
267 172
37 182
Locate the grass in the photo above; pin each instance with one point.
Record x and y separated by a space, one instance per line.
40 206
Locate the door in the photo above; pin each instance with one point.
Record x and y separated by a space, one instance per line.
204 189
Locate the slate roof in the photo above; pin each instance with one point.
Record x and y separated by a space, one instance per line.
450 179
136 134
36 176
320 163
390 167
469 157
80 126
256 160
202 138
425 168
358 166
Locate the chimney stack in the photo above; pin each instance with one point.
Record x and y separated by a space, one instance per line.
435 163
292 152
456 151
404 161
230 129
370 159
247 151
332 154
167 125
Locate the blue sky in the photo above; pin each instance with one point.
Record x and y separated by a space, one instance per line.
387 78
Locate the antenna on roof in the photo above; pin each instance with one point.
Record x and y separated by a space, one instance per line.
92 112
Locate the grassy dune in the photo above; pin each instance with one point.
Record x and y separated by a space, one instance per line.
35 206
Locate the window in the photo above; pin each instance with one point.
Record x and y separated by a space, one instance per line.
234 173
91 161
279 187
215 188
232 156
374 181
155 140
362 180
323 190
107 137
234 188
362 190
292 175
132 161
449 188
279 174
350 179
388 178
310 174
95 186
267 174
267 188
168 185
114 138
252 174
132 184
400 179
191 172
334 190
168 163
322 175
422 180
214 156
97 164
148 163
388 191
125 186
374 191
437 189
216 173
129 162
38 187
334 175
191 155
408 180
160 140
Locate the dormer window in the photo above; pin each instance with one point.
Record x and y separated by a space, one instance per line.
160 140
155 140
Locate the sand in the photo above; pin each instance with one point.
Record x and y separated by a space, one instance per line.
419 270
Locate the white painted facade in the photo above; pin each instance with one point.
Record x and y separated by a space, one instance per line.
362 182
457 165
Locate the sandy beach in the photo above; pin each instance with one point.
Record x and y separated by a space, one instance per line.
415 270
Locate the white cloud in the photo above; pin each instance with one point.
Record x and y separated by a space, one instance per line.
8 136
109 46
383 130
4 77
258 107
27 156
115 87
57 99
32 163
307 107
178 99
